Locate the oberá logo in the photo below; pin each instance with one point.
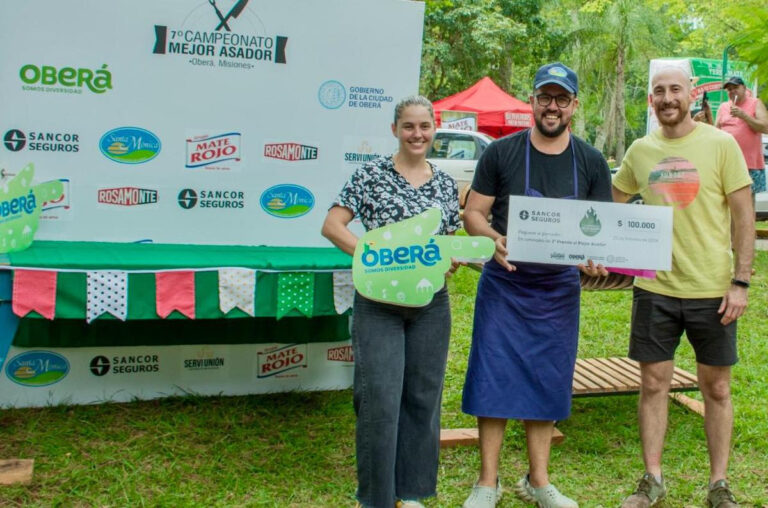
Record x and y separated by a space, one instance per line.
37 368
129 145
73 80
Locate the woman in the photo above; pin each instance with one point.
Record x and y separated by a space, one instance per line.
400 352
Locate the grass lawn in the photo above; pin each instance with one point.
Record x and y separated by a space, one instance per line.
296 450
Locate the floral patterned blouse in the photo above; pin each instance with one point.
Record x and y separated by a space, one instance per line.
379 195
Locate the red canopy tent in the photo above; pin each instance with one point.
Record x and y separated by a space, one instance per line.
498 113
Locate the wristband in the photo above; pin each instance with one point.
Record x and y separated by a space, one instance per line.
740 283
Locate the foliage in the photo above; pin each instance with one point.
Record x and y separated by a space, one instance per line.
752 41
465 40
608 42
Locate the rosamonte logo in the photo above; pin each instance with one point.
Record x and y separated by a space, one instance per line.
290 151
127 196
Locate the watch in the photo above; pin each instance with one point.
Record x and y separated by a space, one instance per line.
740 283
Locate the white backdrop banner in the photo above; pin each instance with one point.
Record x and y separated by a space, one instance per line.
41 377
188 121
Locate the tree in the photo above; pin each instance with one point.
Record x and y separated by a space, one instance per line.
610 43
465 40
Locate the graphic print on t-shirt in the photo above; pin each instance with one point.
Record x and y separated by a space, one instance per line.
675 180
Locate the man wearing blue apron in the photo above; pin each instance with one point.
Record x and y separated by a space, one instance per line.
526 321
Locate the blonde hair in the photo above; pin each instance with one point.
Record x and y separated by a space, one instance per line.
413 100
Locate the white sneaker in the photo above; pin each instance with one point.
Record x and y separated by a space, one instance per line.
483 497
409 503
543 497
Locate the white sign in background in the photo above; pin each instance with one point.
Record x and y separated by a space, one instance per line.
182 73
122 374
571 232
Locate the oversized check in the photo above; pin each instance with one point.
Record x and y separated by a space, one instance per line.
569 232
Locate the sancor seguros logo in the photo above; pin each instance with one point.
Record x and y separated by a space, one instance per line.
287 201
37 368
129 145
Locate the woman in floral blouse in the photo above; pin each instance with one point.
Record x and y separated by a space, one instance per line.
400 352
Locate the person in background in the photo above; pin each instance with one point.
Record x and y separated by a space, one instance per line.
700 171
526 323
400 352
745 118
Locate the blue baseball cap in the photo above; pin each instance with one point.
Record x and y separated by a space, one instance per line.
557 74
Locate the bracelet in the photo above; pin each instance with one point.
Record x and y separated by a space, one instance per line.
740 283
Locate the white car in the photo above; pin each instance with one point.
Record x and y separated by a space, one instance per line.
761 198
761 205
456 152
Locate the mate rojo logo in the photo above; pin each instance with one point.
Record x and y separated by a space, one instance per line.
279 361
290 151
211 151
221 33
127 196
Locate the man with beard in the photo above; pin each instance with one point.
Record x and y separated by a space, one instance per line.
527 314
700 171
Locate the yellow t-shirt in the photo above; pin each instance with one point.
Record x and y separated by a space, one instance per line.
694 174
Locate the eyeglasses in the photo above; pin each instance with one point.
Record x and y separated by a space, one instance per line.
562 101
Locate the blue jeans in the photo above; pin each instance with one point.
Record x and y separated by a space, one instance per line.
400 356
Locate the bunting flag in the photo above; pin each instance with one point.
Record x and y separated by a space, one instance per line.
175 291
295 290
343 291
237 288
107 292
34 290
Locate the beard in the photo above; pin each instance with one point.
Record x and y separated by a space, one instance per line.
675 120
546 131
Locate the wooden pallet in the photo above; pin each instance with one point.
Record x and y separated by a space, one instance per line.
598 376
615 376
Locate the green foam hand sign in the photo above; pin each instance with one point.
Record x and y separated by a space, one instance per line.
405 264
20 206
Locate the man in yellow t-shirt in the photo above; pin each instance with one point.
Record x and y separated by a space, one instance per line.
701 172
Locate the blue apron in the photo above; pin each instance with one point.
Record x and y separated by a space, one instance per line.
525 336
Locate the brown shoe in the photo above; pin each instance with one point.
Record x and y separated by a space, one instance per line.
649 493
720 496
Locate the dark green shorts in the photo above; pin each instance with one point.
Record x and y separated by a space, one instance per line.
659 321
